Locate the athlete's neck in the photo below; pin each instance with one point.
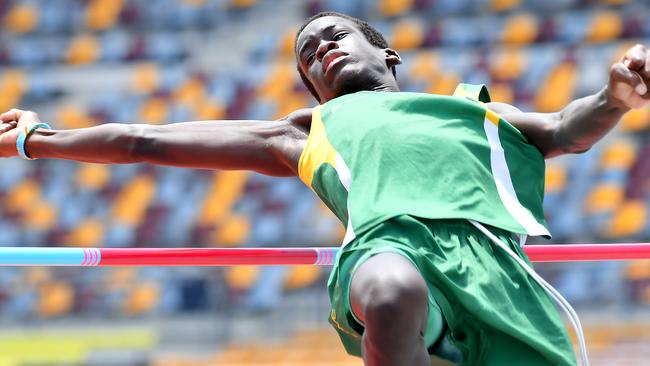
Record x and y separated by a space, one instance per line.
390 86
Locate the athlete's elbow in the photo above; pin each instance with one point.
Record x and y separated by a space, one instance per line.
579 149
574 146
565 142
139 144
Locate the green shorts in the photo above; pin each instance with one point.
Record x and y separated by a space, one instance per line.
495 314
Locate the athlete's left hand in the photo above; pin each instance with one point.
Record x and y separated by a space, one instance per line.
10 124
629 79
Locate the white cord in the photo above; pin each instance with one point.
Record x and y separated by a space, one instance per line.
561 301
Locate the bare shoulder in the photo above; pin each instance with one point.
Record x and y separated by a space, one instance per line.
296 130
300 117
297 123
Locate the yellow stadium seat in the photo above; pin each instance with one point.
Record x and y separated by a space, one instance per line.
279 83
445 84
502 5
604 198
618 155
393 8
233 231
636 120
22 18
88 233
508 63
132 202
638 270
210 110
154 110
55 299
227 187
84 49
190 93
286 46
144 297
241 277
23 196
10 99
93 176
599 337
36 276
13 84
146 78
407 35
302 276
555 179
558 88
502 92
242 4
629 219
42 216
13 80
424 66
290 103
70 116
103 14
520 29
120 279
605 26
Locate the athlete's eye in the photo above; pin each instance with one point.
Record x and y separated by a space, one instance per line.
310 58
339 35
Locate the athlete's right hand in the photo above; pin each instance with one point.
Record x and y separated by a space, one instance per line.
10 122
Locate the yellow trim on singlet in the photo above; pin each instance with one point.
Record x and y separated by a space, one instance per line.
318 149
340 327
462 92
492 117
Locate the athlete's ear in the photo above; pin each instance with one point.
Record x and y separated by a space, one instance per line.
392 57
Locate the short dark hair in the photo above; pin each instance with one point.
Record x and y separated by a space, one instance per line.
371 33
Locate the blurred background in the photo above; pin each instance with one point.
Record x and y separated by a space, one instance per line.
84 62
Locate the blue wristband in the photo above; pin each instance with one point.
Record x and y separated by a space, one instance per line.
24 134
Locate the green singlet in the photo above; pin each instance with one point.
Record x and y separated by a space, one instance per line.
404 172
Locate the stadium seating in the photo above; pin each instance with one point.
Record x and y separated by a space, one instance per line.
535 54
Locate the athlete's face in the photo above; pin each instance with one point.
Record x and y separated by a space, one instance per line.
337 59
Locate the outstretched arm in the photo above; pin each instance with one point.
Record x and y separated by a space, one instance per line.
269 147
585 121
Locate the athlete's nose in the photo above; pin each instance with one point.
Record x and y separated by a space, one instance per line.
323 48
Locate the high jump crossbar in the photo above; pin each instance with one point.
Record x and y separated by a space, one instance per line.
52 257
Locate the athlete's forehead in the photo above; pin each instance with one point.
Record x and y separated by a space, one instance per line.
320 27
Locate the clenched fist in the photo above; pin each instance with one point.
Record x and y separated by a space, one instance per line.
629 79
10 124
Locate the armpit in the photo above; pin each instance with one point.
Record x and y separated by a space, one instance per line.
502 108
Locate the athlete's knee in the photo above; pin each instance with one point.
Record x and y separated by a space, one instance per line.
394 294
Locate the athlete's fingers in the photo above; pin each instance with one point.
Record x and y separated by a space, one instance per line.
635 58
645 71
19 116
640 62
628 87
11 115
623 77
4 127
